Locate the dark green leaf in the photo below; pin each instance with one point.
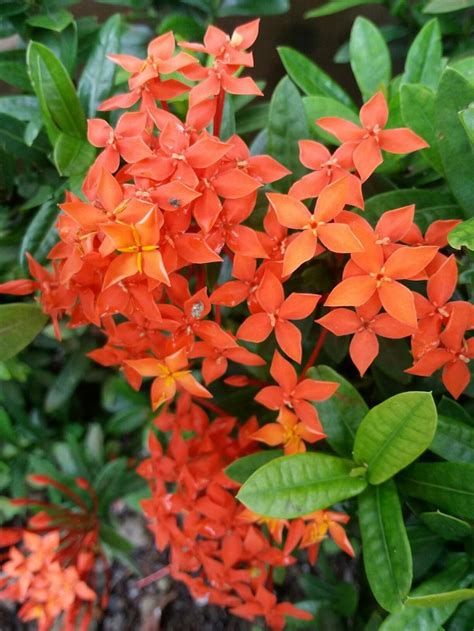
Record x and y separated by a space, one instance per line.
418 619
424 59
335 6
97 78
252 118
19 325
21 107
342 413
455 93
310 77
66 382
446 526
319 106
111 537
53 21
462 618
72 156
60 107
370 58
240 470
462 235
426 548
228 120
296 485
453 440
445 6
13 70
394 433
385 546
41 233
447 485
286 126
253 7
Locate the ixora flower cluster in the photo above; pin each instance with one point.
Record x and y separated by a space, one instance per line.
165 203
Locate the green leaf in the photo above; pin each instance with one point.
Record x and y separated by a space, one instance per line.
342 413
310 77
228 120
418 619
426 548
296 485
467 119
41 233
252 118
240 470
72 156
53 21
66 382
455 93
319 106
338 595
385 546
335 6
430 205
445 6
446 526
418 111
13 70
97 78
454 440
462 235
19 325
370 58
115 541
60 106
252 7
462 618
22 107
438 600
286 126
424 62
394 433
12 140
447 485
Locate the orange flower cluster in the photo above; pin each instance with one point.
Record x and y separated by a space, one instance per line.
223 552
164 204
46 588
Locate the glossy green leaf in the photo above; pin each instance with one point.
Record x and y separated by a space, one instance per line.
12 140
63 44
296 485
252 7
462 235
429 619
342 413
455 93
424 62
20 323
426 548
319 106
41 233
60 106
97 78
310 77
370 58
240 470
446 526
385 546
447 485
286 126
453 440
72 156
394 433
430 205
53 21
438 600
445 6
336 6
22 107
252 118
467 120
417 104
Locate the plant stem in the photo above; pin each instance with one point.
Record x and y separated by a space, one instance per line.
315 352
210 406
219 112
148 580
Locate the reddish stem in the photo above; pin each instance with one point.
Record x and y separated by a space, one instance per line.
315 353
164 106
217 314
148 580
211 406
219 112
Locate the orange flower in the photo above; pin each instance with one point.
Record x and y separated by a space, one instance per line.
289 432
170 373
367 141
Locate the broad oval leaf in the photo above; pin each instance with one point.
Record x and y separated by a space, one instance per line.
296 485
446 526
97 78
60 107
286 126
370 58
424 62
240 470
310 77
445 6
454 440
72 156
447 485
455 93
462 235
53 20
342 413
385 546
428 619
394 433
19 325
